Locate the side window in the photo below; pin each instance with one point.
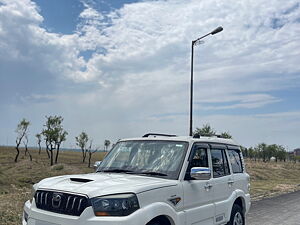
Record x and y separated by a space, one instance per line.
220 163
199 159
236 161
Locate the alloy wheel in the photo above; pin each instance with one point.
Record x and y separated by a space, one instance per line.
238 219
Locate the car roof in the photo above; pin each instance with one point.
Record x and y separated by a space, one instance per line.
189 139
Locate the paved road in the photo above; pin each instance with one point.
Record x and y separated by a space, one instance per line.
281 210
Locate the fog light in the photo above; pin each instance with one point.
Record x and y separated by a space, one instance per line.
25 216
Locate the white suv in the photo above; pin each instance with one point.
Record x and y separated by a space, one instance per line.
153 180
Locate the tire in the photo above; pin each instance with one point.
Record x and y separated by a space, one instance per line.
159 222
237 216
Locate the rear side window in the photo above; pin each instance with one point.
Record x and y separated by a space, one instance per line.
220 163
236 161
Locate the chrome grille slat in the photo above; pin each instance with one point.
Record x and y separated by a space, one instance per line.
69 204
41 199
74 200
37 197
46 198
79 204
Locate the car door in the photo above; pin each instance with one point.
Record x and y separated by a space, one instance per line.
222 182
198 194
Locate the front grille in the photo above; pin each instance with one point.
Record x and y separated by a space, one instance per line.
62 203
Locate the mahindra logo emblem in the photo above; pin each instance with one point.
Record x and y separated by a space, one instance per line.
56 200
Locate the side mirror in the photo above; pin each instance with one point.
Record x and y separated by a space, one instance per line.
97 164
201 173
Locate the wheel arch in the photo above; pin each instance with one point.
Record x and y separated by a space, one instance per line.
240 201
163 218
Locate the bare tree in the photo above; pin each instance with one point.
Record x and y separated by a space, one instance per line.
90 152
21 132
25 142
81 142
39 140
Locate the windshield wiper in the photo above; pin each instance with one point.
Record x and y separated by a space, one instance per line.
116 171
153 173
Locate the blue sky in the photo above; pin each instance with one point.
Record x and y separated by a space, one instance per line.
119 69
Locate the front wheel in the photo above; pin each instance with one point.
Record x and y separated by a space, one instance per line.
237 216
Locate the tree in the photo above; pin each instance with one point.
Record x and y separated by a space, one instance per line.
47 146
106 144
282 153
62 136
206 130
251 153
25 142
262 149
54 135
90 152
244 151
226 135
39 140
82 141
21 132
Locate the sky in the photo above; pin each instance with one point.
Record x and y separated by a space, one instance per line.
118 69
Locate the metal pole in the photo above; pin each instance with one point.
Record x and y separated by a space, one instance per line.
217 30
191 93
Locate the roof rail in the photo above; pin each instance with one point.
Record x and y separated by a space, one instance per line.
199 136
155 134
196 136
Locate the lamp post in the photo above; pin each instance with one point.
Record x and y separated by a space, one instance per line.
215 31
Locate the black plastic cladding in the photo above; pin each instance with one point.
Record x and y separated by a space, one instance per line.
70 204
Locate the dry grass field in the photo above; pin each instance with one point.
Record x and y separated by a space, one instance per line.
16 179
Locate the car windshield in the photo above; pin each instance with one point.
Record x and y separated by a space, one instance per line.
150 158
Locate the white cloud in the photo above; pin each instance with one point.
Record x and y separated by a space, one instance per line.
239 101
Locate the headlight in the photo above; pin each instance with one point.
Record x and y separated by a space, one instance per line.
115 205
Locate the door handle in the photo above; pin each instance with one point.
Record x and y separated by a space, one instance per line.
230 182
208 186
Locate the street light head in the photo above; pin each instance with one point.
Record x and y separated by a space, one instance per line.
217 30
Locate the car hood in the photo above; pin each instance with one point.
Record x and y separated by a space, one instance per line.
98 184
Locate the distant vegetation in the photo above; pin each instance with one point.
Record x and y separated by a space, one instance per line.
53 135
208 131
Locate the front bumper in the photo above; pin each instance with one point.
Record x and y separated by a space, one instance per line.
248 203
36 216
